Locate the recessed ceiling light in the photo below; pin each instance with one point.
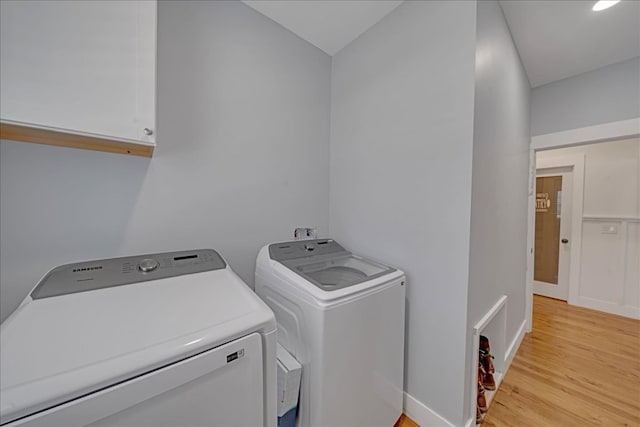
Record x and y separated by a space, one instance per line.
604 4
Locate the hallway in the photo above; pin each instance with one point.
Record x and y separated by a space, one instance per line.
578 367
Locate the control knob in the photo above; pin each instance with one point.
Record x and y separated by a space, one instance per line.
147 265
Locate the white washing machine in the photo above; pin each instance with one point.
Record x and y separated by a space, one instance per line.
171 339
342 317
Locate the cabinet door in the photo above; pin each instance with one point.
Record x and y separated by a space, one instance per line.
80 66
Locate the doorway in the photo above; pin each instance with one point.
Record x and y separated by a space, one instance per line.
552 238
609 214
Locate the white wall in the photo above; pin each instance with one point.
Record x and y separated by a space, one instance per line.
609 271
242 157
500 177
608 94
401 147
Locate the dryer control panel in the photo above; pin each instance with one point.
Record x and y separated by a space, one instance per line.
107 273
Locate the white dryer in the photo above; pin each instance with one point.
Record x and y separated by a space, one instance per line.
342 317
171 339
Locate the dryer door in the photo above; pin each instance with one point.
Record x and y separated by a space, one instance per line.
220 387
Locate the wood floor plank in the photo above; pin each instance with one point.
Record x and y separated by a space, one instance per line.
578 367
405 421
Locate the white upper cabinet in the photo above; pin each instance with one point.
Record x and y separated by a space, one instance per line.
80 67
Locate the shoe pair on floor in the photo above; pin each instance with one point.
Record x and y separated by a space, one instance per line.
486 381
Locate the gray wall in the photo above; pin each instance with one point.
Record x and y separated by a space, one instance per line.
500 176
401 147
608 94
242 157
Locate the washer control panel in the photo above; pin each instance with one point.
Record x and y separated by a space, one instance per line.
304 248
107 273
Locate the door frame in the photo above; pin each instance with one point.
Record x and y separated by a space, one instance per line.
572 163
580 136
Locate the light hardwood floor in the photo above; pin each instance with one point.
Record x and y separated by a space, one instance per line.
405 421
578 367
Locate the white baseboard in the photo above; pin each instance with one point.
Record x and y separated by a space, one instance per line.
427 417
515 345
471 422
607 307
422 414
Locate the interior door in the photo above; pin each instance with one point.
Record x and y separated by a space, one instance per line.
552 249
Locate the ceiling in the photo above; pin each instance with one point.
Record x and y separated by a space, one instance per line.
555 39
559 39
329 25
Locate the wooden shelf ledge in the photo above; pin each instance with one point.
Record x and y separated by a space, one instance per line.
65 139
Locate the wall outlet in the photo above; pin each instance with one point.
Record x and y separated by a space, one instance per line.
304 233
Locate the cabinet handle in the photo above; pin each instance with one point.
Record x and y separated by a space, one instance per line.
147 131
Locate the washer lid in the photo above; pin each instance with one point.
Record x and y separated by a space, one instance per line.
326 264
333 273
56 349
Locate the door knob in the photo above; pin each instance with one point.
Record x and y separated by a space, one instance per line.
565 240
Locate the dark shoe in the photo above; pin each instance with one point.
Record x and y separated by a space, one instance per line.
485 355
479 416
489 382
484 344
485 360
482 400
